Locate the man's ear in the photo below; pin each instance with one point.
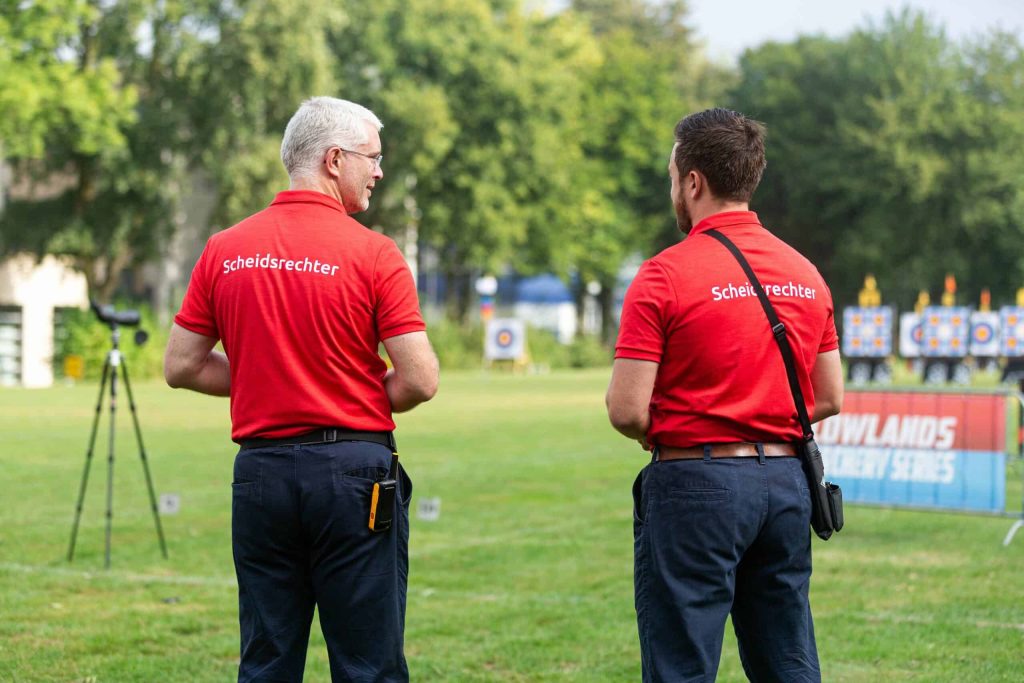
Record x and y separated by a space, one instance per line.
332 160
694 184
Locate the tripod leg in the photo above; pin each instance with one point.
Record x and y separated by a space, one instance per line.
145 461
88 461
114 362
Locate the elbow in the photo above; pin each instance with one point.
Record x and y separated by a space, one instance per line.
426 388
627 420
829 406
622 424
837 402
175 374
171 375
433 380
834 408
174 380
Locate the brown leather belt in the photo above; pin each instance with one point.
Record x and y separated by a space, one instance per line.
741 449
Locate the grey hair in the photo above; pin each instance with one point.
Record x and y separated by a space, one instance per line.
319 124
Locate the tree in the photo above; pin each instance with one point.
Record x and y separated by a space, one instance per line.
101 189
649 75
173 90
480 127
46 98
243 87
893 151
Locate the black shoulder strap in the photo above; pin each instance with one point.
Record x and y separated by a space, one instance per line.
778 331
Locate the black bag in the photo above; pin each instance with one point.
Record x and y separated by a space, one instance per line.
826 497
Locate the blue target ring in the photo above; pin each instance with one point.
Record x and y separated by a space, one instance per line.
504 338
983 333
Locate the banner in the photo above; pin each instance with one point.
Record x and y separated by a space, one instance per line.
936 450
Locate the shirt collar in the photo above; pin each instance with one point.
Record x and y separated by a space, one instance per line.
308 197
725 220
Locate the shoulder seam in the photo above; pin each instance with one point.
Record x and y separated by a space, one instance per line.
671 285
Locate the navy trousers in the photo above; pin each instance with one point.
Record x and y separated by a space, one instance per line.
720 536
300 538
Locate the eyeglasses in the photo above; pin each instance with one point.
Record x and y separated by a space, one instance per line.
376 158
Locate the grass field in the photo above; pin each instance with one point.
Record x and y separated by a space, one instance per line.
526 576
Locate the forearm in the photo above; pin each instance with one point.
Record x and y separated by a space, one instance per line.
827 384
629 397
211 376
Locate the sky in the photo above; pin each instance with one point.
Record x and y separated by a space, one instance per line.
727 28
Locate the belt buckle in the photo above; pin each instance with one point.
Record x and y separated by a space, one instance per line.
330 435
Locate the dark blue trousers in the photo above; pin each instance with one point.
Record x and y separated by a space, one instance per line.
300 539
721 536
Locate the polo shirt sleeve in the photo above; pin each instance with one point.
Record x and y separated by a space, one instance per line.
829 336
397 305
196 314
645 315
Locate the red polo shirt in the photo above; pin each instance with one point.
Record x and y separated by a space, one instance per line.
301 295
691 310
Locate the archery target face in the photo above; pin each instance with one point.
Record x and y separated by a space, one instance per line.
911 335
867 332
1011 320
946 331
505 339
984 334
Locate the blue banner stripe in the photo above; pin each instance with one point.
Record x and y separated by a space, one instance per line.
957 480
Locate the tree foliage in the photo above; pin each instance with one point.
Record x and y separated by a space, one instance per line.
649 75
97 167
47 102
205 87
512 137
481 126
897 152
243 86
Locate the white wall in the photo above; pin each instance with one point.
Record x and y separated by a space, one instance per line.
38 287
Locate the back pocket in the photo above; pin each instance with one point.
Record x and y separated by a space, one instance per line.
365 475
697 495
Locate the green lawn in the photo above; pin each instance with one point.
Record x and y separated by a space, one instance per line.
526 576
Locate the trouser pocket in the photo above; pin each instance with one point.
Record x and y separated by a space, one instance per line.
638 497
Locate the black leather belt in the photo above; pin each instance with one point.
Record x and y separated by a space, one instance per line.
329 435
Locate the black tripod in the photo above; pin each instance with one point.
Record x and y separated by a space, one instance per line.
114 360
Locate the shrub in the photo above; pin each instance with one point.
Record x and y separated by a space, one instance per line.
461 347
85 336
589 352
458 347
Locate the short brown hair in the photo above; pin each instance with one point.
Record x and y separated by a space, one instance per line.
726 147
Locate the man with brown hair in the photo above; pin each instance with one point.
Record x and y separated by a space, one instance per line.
722 513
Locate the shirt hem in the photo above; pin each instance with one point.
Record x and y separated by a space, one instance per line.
404 329
632 354
194 327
